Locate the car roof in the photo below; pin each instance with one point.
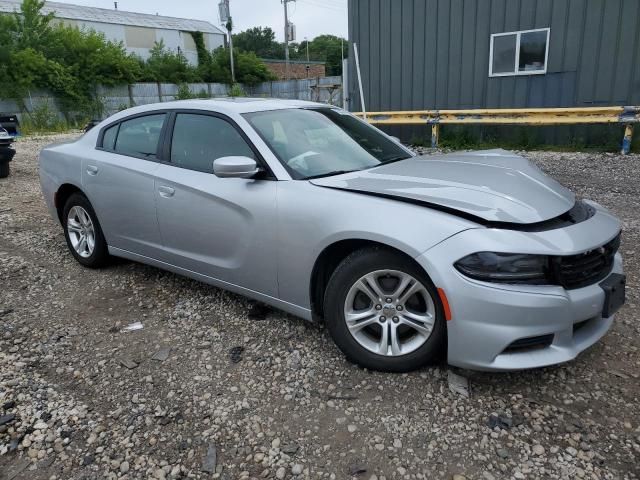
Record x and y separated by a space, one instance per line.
228 105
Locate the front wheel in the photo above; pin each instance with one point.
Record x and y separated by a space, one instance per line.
384 313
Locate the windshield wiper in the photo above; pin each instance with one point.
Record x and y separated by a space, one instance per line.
330 174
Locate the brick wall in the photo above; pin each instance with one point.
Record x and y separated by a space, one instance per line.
296 69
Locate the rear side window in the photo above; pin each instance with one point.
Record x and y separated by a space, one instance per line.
140 136
109 138
200 139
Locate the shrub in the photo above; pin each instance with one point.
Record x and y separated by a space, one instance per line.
236 91
164 65
184 93
66 61
42 118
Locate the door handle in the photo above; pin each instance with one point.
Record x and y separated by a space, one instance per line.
91 170
166 192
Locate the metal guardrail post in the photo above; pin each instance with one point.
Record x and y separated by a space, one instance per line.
435 135
628 138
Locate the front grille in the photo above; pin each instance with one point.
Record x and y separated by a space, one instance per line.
576 271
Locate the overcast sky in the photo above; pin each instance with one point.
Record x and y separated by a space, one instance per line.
311 17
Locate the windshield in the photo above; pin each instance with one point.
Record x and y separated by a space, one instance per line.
313 143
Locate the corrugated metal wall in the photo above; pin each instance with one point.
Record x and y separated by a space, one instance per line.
434 54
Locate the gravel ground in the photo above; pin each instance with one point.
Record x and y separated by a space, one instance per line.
204 391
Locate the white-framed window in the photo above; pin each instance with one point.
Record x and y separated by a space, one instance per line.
519 53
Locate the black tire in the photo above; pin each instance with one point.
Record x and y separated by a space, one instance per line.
100 255
5 169
354 267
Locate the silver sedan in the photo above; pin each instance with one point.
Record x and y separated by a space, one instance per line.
479 257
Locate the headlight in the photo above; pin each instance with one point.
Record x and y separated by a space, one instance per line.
506 267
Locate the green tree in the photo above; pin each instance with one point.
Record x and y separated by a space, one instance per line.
90 60
259 40
28 69
326 48
249 69
262 42
204 55
68 62
37 53
164 65
33 28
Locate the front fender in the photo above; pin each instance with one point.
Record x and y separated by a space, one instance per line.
311 218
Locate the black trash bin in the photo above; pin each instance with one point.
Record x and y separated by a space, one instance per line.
6 155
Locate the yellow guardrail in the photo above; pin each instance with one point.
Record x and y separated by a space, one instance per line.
627 116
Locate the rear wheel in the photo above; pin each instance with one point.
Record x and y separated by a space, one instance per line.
83 233
4 169
383 312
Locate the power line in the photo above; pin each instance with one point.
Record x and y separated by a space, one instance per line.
327 6
330 5
336 3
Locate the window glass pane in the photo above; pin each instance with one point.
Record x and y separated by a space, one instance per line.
199 139
140 136
504 54
533 50
109 137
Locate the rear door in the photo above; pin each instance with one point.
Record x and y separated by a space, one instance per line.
119 181
224 228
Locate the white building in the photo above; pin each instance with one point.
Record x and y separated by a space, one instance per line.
138 31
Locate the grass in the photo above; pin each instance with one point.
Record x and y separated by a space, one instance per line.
605 139
28 128
44 119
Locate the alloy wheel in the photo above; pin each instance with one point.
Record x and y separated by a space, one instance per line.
389 312
81 231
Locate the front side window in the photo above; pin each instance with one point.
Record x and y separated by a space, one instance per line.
321 142
519 53
200 139
139 137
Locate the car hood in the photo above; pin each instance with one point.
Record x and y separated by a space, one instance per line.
492 185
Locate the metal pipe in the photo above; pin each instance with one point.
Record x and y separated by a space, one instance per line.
357 59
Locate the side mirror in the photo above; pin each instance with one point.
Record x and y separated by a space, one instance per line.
396 139
235 167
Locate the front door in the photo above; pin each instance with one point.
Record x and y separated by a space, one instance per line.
224 228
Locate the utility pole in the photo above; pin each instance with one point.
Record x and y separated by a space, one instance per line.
233 72
306 40
287 31
225 19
